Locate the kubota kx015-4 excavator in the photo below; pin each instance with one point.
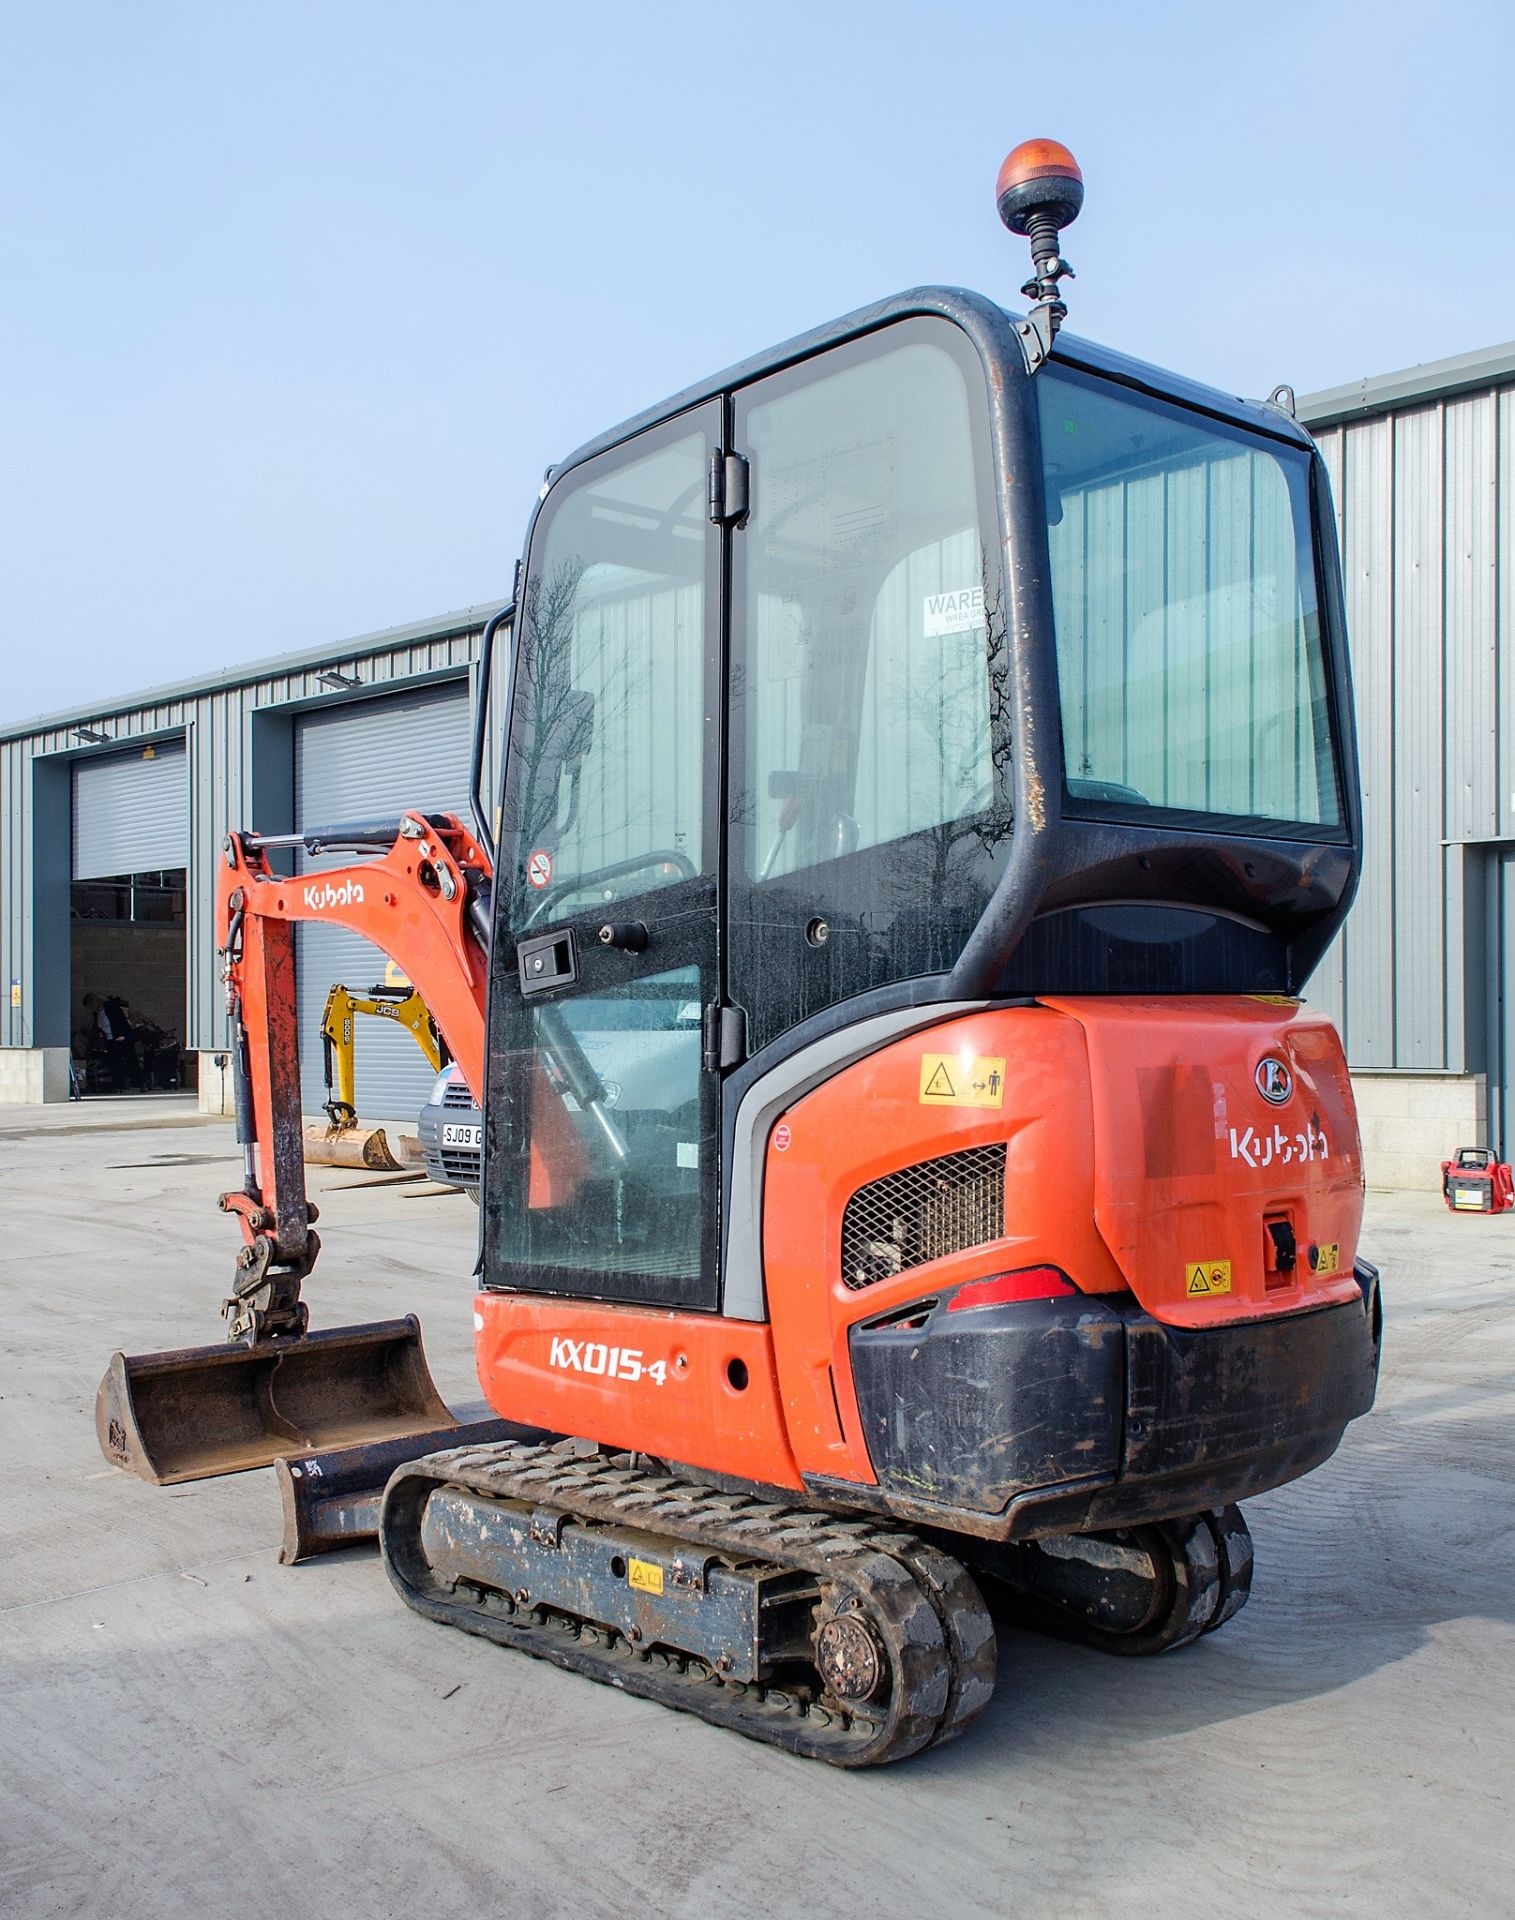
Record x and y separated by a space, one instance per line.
911 1170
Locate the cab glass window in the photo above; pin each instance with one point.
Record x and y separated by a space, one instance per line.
605 797
1189 647
869 800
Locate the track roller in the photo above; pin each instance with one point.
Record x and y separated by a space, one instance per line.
1138 1590
839 1640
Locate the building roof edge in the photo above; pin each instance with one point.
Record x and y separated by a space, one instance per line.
336 654
1413 386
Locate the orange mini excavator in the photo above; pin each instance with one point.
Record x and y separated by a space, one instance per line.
911 1173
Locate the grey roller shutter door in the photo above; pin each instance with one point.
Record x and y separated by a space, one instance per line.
131 812
365 760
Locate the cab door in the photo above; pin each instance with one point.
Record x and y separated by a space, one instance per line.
602 1128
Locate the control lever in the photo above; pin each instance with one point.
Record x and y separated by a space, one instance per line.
584 1083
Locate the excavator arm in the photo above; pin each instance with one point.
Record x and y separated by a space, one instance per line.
423 901
419 890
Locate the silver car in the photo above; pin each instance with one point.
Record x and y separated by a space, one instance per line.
451 1130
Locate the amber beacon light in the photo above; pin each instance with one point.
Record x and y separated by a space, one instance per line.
1039 192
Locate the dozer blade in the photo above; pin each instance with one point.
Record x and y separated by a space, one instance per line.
367 1148
332 1499
201 1411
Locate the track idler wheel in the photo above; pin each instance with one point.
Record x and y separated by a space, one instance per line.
1138 1590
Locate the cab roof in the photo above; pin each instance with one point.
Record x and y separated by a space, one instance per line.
992 327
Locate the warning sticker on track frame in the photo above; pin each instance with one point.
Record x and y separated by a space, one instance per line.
956 1080
645 1575
1205 1277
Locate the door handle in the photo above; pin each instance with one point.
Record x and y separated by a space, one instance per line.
551 960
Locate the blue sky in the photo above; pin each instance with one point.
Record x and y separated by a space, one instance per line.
299 300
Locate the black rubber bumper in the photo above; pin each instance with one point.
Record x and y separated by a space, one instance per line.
1052 1416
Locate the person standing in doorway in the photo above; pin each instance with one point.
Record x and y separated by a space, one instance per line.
119 1031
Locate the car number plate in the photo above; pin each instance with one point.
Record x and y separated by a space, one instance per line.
453 1136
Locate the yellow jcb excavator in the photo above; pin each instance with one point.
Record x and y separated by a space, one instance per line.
344 1141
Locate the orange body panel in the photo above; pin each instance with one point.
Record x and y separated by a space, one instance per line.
1138 1145
635 1377
1193 1160
870 1120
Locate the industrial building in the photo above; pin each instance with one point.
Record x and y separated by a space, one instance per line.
1421 982
112 819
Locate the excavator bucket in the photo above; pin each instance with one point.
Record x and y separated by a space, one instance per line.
368 1149
201 1411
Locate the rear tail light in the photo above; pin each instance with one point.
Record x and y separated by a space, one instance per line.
1030 1283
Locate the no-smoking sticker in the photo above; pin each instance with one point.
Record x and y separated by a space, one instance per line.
539 868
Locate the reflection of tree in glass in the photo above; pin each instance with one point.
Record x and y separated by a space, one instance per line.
587 662
555 728
935 867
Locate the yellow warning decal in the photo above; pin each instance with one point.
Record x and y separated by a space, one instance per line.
1203 1277
959 1080
1273 999
1328 1257
645 1575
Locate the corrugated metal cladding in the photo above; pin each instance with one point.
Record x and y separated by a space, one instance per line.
1425 501
1174 682
237 738
131 811
370 759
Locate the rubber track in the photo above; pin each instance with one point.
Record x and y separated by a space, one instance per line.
923 1604
1233 1547
1204 1567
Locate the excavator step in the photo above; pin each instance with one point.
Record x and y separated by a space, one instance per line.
197 1412
836 1639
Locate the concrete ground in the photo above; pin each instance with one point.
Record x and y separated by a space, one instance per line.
186 1728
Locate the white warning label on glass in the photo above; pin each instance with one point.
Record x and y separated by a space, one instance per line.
957 612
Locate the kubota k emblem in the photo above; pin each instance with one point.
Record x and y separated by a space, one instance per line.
1274 1081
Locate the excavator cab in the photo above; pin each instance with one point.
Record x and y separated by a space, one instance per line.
929 786
918 680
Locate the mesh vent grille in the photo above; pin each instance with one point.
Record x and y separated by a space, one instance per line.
923 1213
